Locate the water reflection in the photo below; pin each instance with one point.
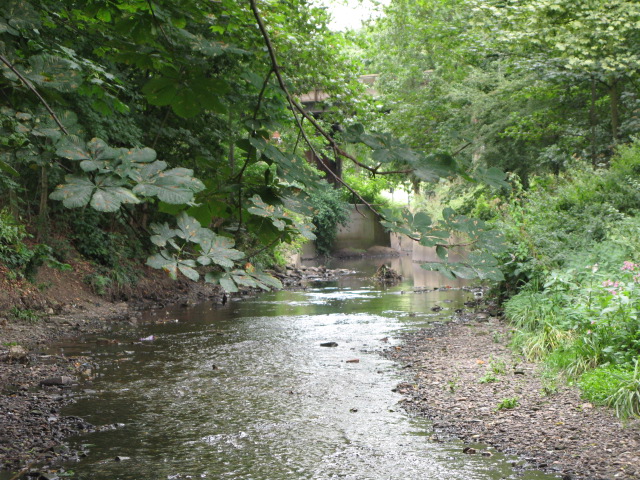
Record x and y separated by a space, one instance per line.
415 276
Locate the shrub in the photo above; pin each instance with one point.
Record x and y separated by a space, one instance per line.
22 259
330 211
615 386
96 240
115 282
626 399
600 383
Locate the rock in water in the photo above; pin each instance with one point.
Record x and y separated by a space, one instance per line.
56 381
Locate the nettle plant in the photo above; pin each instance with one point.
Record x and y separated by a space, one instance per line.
615 313
603 308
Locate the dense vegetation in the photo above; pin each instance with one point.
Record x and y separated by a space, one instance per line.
179 122
546 90
174 135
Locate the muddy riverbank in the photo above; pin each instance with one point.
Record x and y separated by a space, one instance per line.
469 383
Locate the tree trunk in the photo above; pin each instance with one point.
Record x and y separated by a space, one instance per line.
614 99
43 229
232 158
593 122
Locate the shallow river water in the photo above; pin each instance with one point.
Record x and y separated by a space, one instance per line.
245 391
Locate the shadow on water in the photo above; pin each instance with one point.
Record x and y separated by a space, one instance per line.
245 391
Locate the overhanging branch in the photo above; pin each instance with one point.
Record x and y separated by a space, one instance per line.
30 86
296 107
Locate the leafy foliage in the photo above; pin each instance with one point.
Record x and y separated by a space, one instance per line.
22 259
614 386
330 211
280 218
477 240
119 175
191 82
190 245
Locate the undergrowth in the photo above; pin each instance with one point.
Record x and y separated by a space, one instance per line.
573 276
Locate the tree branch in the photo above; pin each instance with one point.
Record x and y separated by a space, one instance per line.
261 95
296 107
30 86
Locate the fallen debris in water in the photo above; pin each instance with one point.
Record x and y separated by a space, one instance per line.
386 274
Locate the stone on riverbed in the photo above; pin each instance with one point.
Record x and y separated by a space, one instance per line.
57 381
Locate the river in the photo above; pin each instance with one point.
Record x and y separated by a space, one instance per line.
246 391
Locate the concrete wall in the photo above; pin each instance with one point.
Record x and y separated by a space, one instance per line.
401 243
363 230
422 278
420 253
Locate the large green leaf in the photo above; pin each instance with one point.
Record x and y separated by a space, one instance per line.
52 71
210 211
175 186
96 150
187 96
421 221
110 195
223 279
219 251
242 278
6 168
227 283
186 267
435 166
266 281
164 261
292 168
129 158
305 229
6 28
172 264
146 172
106 194
161 91
189 229
493 177
276 214
75 193
163 235
280 218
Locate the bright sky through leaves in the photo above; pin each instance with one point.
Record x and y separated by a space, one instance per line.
349 14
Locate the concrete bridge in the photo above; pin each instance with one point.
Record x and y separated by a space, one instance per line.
313 101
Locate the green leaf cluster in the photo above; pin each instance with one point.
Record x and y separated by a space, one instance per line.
472 239
189 246
117 176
